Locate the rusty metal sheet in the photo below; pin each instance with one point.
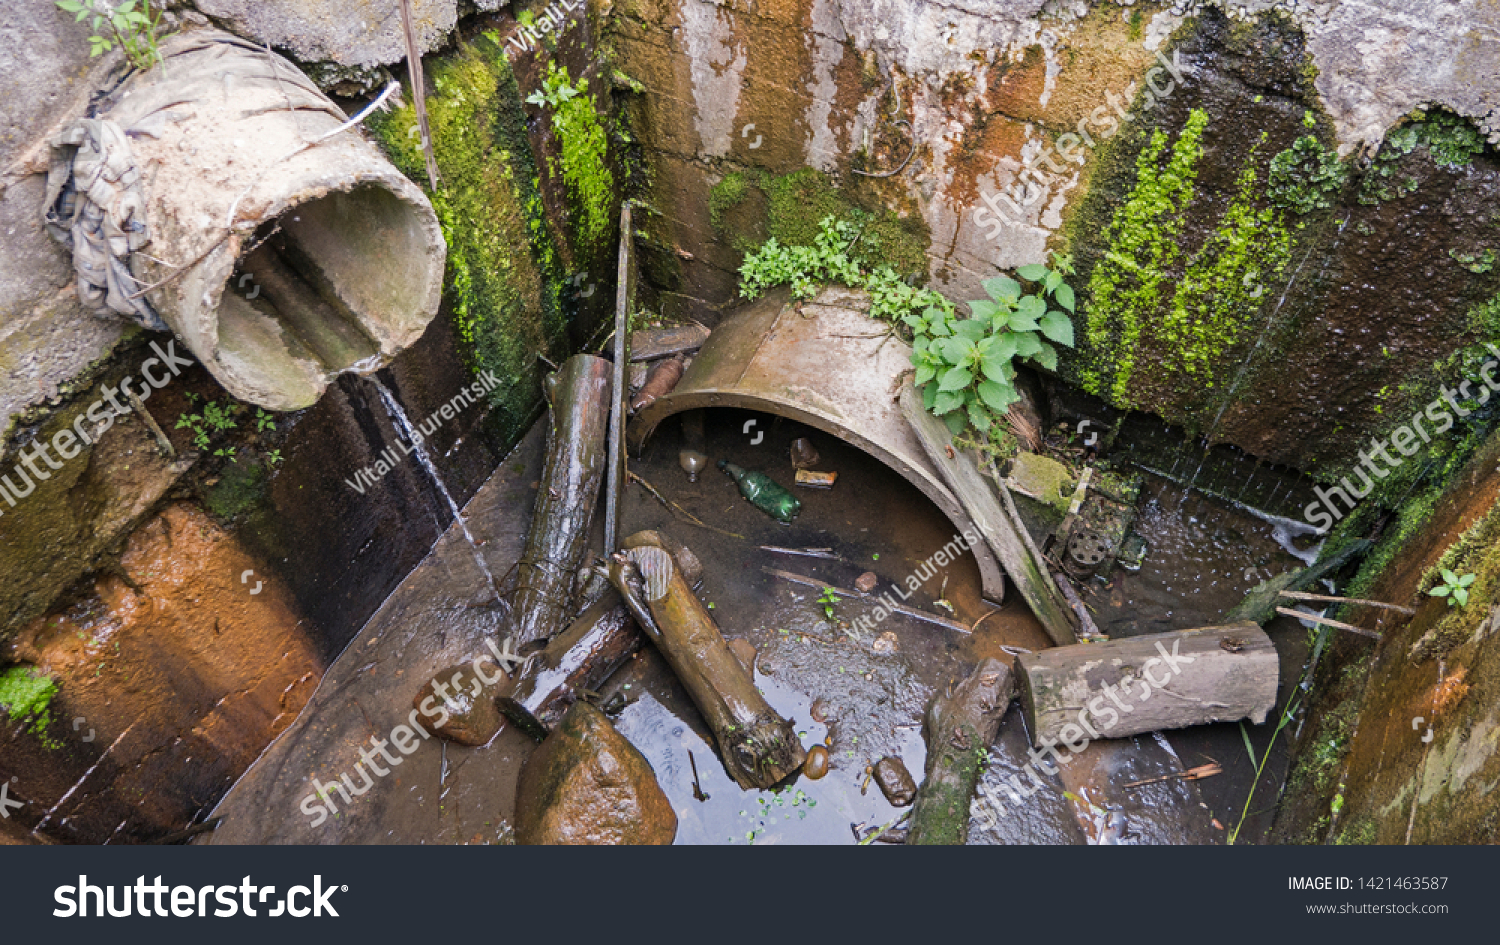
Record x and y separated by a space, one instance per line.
824 363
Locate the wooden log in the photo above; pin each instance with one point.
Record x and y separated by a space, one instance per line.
581 657
959 729
1001 532
1086 623
664 342
586 654
759 748
1147 683
569 490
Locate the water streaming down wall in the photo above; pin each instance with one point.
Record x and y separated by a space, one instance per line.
416 439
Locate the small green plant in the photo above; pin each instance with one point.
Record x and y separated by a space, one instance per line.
263 421
123 25
274 457
832 258
210 420
828 599
27 694
965 369
1455 588
1307 176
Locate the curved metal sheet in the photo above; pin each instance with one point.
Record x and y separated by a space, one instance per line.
824 363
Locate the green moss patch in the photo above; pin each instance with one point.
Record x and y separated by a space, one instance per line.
504 279
25 695
1143 239
795 205
1221 295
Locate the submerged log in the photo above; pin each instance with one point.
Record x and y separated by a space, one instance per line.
586 654
580 395
959 730
1259 604
759 747
1147 683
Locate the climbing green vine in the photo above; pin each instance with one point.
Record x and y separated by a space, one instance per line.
584 149
1143 238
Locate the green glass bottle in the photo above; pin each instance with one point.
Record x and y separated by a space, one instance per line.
764 493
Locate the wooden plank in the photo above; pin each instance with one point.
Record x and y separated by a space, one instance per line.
657 343
1148 683
1327 622
1001 532
1303 595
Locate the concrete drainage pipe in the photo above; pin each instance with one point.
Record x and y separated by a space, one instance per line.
280 265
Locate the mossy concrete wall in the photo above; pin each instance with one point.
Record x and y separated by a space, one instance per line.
1255 286
1402 740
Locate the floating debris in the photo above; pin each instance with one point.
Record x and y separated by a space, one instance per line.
816 764
896 783
763 492
692 463
659 383
816 480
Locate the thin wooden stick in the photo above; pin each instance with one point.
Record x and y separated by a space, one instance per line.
418 89
1301 595
803 552
689 516
1192 774
1328 622
855 595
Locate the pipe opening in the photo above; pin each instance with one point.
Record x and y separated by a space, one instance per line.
318 286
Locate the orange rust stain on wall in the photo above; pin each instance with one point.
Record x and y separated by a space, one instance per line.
194 674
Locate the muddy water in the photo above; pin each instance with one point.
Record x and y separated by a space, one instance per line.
1205 554
871 701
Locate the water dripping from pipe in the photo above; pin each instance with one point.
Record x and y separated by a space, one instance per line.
404 425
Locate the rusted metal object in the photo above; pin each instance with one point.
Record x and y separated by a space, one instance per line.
825 364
